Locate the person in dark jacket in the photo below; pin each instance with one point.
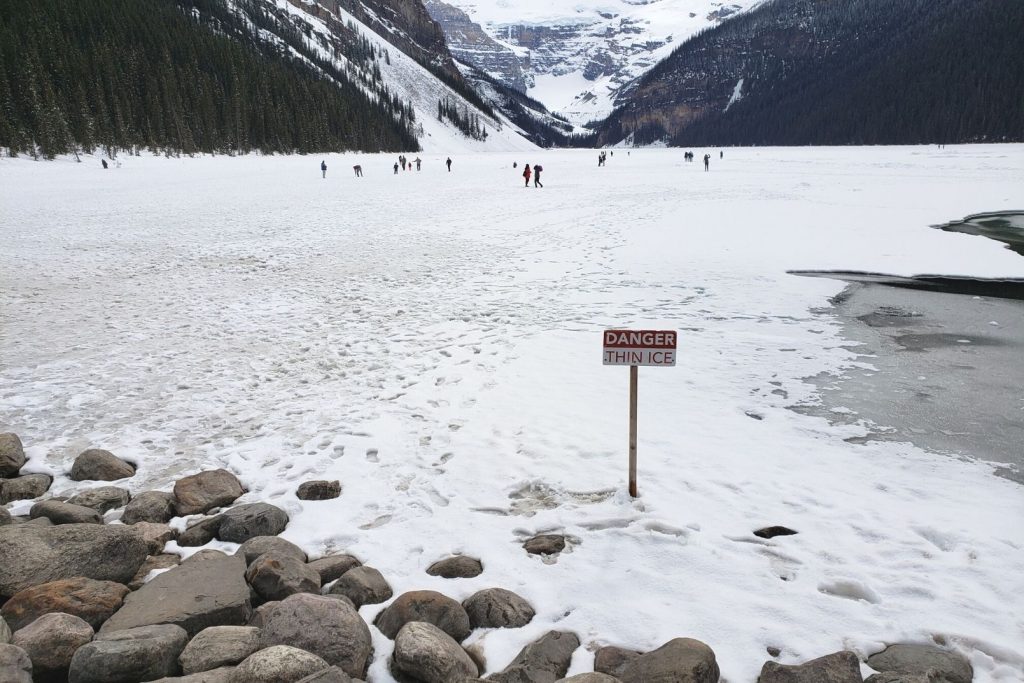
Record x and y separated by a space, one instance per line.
537 168
323 168
707 161
449 162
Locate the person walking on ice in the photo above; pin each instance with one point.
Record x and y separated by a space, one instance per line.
537 168
526 175
707 161
323 168
449 162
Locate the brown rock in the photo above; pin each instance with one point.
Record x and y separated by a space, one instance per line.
456 567
202 492
51 642
333 567
838 667
612 660
97 464
319 490
363 586
545 544
90 600
161 561
12 454
155 535
25 487
429 606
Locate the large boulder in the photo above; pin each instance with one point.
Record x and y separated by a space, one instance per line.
15 665
275 577
363 586
429 606
155 535
26 487
318 490
248 521
88 599
333 567
137 654
64 513
31 554
278 664
456 567
51 641
102 498
219 646
221 675
544 660
200 532
97 464
149 506
497 608
940 665
590 678
838 667
207 589
612 660
428 654
332 675
259 545
680 660
324 626
12 455
202 492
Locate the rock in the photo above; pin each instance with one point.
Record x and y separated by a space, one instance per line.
5 517
456 567
428 654
102 499
90 600
65 513
221 675
429 606
51 641
219 646
839 667
96 464
155 535
326 627
207 589
31 555
259 615
161 561
12 455
333 567
680 660
363 586
332 675
24 488
149 506
278 664
942 665
275 577
544 660
590 678
137 654
15 665
319 490
202 492
896 677
248 521
545 544
612 660
201 532
773 531
5 632
497 608
259 545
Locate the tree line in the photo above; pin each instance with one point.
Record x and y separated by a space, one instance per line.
182 76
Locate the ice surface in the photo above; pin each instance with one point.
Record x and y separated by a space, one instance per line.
433 340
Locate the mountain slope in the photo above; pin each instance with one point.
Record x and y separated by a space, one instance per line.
578 58
819 72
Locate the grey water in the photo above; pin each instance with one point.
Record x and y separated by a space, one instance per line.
946 357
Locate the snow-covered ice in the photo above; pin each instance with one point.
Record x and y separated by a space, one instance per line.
432 339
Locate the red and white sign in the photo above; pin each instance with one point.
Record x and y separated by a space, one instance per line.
640 347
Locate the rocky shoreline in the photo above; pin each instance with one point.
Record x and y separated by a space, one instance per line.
86 601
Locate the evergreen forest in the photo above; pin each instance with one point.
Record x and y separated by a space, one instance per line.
182 76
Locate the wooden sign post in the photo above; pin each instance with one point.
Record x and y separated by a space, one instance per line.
635 348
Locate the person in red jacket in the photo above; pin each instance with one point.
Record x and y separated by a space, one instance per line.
526 174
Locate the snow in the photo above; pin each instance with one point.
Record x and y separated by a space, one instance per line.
737 94
432 339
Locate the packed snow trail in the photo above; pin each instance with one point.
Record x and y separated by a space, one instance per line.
432 339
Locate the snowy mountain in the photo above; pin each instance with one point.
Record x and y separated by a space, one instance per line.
577 59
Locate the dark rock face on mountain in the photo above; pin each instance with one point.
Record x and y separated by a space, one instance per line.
819 72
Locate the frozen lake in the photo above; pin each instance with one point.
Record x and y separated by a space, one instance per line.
432 340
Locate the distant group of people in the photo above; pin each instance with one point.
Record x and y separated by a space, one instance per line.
535 172
405 164
688 156
602 158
